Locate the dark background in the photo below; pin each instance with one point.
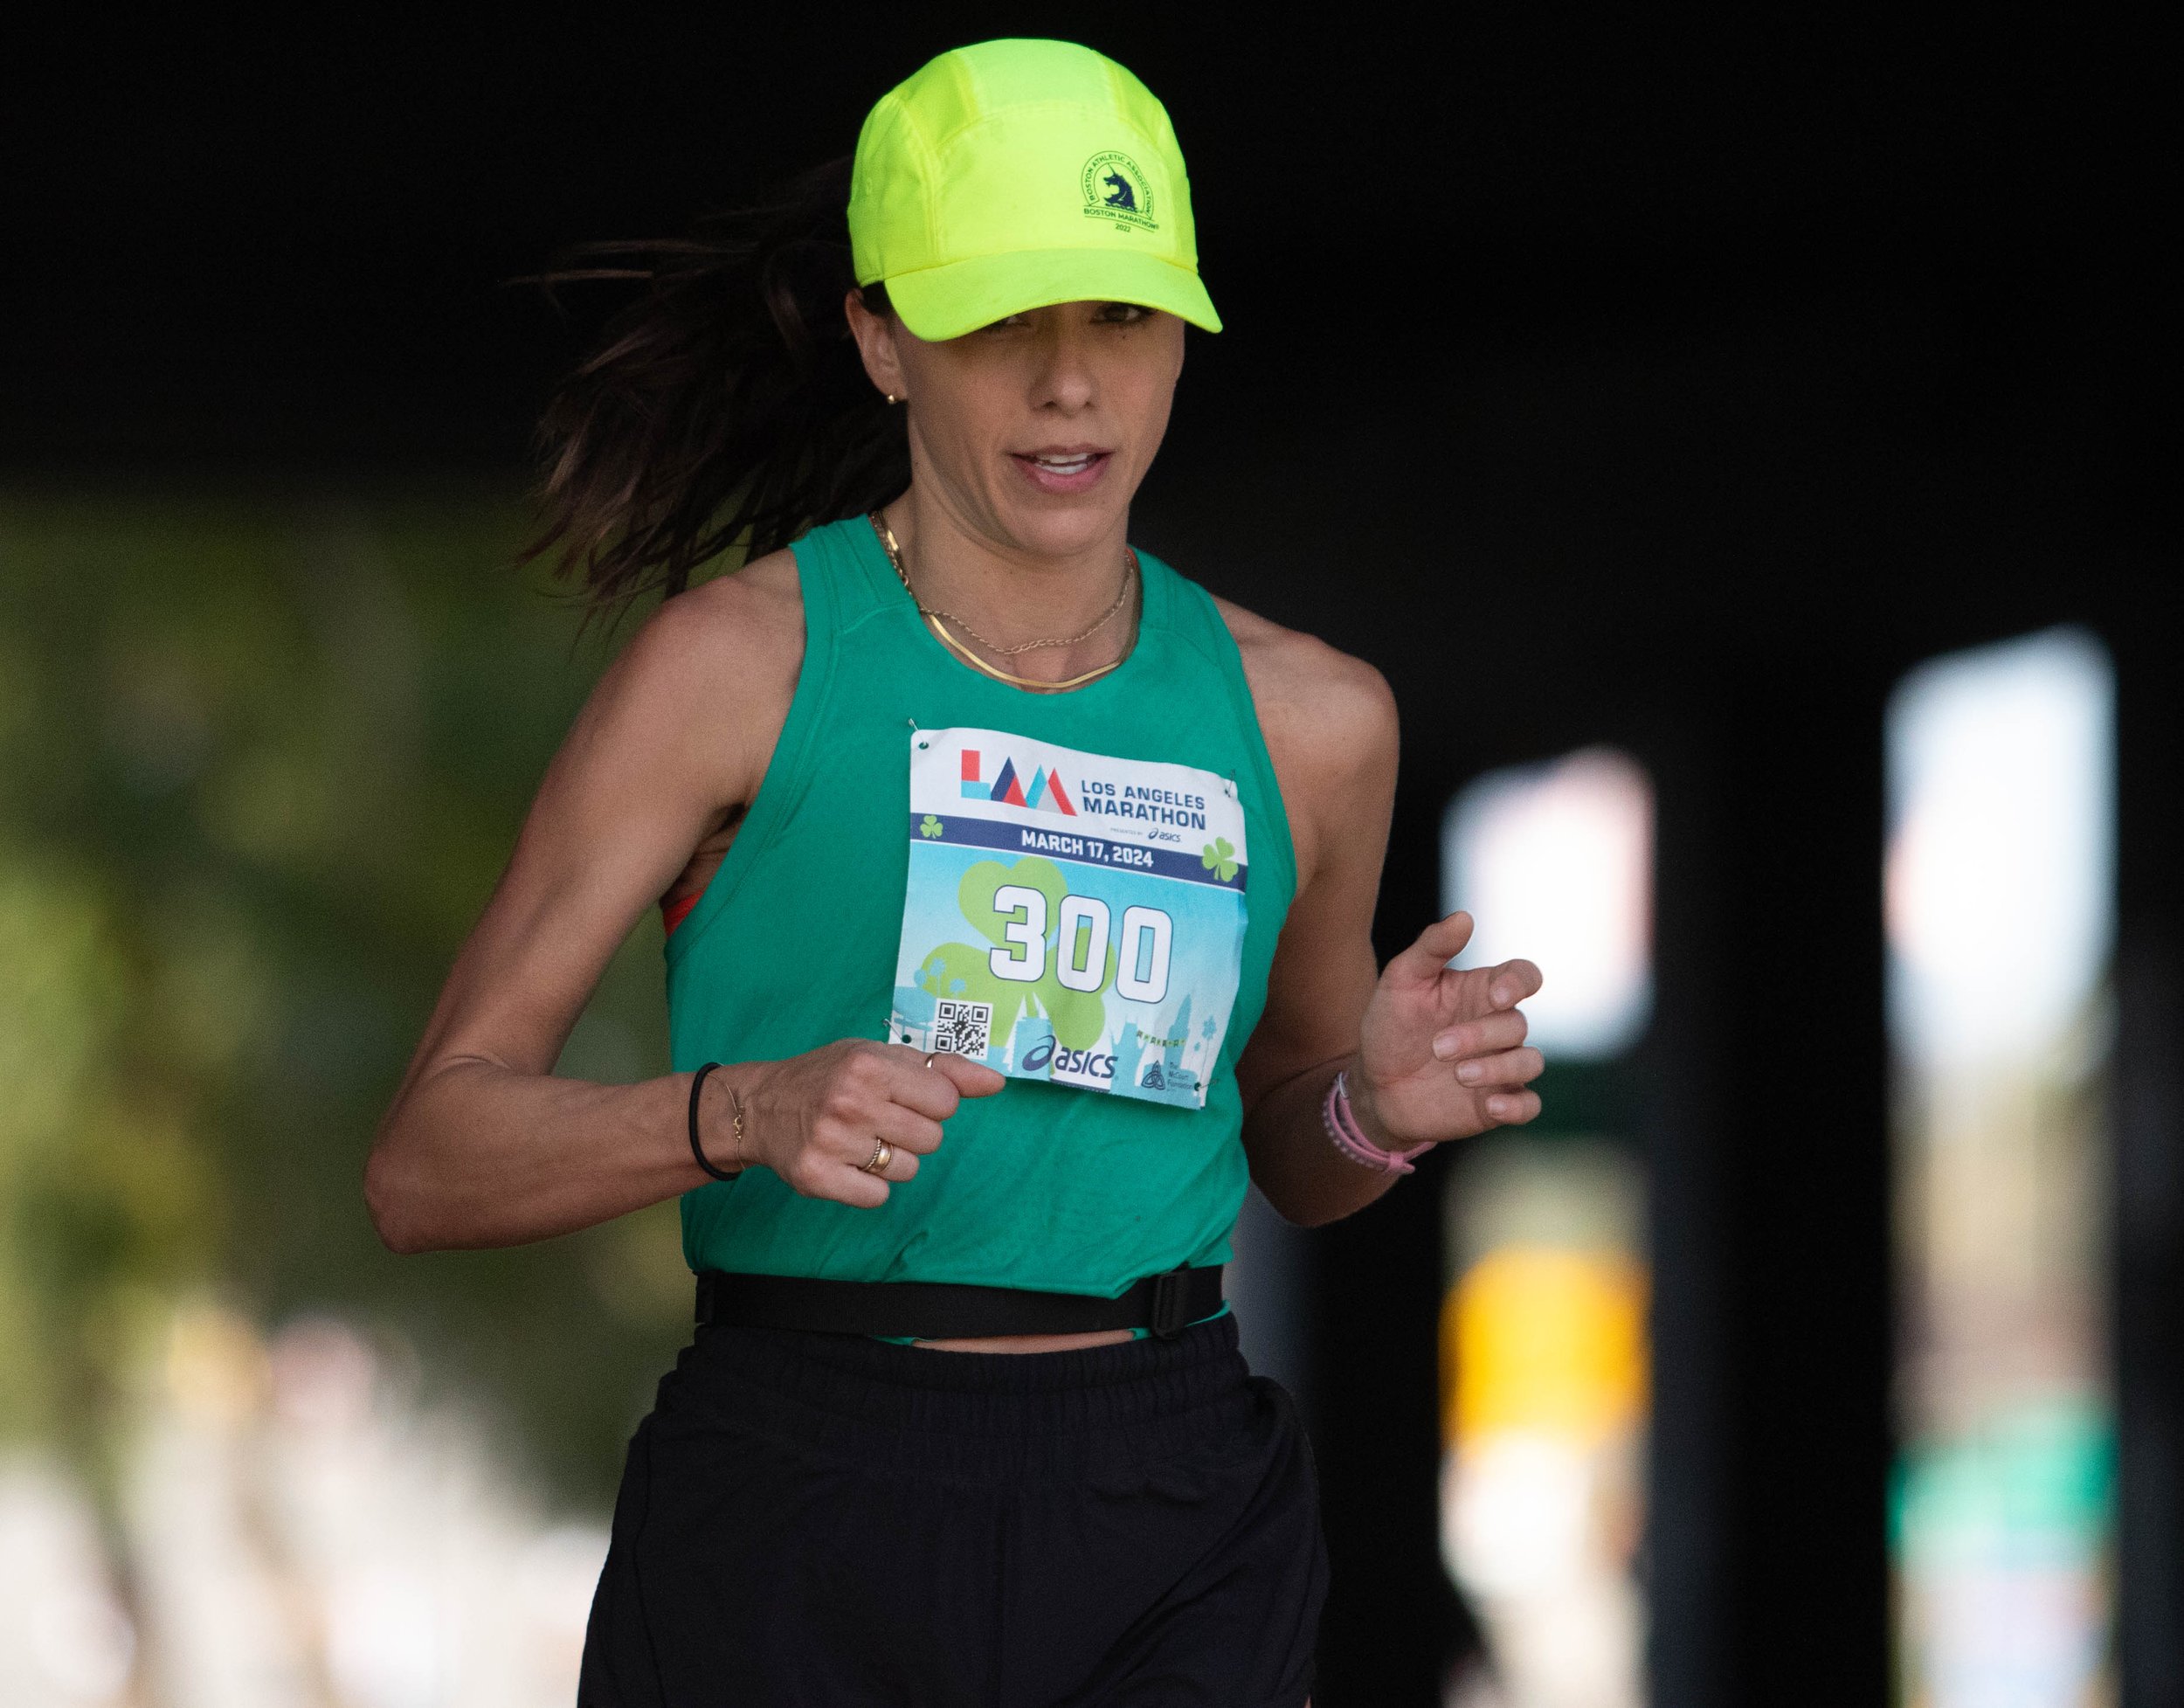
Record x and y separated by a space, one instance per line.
1599 378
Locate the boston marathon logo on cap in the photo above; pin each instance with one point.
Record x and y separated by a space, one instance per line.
1115 188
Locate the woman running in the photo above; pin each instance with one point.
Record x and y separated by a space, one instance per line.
1018 894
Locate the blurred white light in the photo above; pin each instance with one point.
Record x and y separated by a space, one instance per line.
383 1641
83 1642
1554 862
2001 783
65 1642
303 1529
1520 1506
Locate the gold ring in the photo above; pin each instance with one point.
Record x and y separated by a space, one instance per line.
882 1154
929 1060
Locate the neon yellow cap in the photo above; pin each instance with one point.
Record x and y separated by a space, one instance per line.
1014 173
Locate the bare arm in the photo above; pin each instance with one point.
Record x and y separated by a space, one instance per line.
1450 1051
483 1144
1330 725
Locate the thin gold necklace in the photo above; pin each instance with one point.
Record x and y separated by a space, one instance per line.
895 557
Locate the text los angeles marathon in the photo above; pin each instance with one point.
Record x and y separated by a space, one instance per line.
1160 806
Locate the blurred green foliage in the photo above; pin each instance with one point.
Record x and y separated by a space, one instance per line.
261 763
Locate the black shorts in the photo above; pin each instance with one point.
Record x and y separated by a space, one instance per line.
830 1521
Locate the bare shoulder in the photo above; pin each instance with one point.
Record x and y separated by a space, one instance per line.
716 655
750 621
706 680
1330 723
1319 697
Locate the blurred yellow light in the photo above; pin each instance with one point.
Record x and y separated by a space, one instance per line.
1545 1339
216 1364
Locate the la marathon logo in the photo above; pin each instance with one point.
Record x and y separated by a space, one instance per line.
1007 787
1115 188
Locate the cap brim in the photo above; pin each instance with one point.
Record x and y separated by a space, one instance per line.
944 302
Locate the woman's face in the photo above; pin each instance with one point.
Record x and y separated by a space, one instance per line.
1035 431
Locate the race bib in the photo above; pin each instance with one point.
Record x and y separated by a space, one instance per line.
1070 916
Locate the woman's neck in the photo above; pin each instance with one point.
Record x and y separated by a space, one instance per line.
992 596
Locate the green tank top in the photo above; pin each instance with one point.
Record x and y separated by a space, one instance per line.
800 938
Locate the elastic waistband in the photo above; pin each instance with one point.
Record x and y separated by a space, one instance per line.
988 1416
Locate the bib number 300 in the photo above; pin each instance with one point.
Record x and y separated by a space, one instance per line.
1141 972
1070 916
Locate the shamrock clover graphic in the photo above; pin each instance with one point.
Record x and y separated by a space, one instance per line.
931 828
1220 859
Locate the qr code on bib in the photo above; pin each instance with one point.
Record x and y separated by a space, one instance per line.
961 1028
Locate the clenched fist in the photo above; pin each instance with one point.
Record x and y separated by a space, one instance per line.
815 1119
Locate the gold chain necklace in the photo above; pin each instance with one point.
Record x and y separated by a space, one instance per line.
895 557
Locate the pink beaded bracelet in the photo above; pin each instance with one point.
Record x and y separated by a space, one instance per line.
1350 1139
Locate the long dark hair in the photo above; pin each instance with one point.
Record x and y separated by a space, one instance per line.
725 410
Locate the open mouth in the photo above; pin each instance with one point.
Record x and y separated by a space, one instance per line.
1070 470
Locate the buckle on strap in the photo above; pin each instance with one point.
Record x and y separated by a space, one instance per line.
1171 1311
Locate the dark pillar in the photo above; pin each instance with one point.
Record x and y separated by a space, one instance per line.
2148 1122
1771 1227
1687 1481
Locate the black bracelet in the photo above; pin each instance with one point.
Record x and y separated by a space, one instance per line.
698 1083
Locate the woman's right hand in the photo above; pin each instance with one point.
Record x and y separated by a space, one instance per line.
814 1119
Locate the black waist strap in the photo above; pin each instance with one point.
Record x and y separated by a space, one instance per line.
947 1310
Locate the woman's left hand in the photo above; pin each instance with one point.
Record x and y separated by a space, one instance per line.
1441 1051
